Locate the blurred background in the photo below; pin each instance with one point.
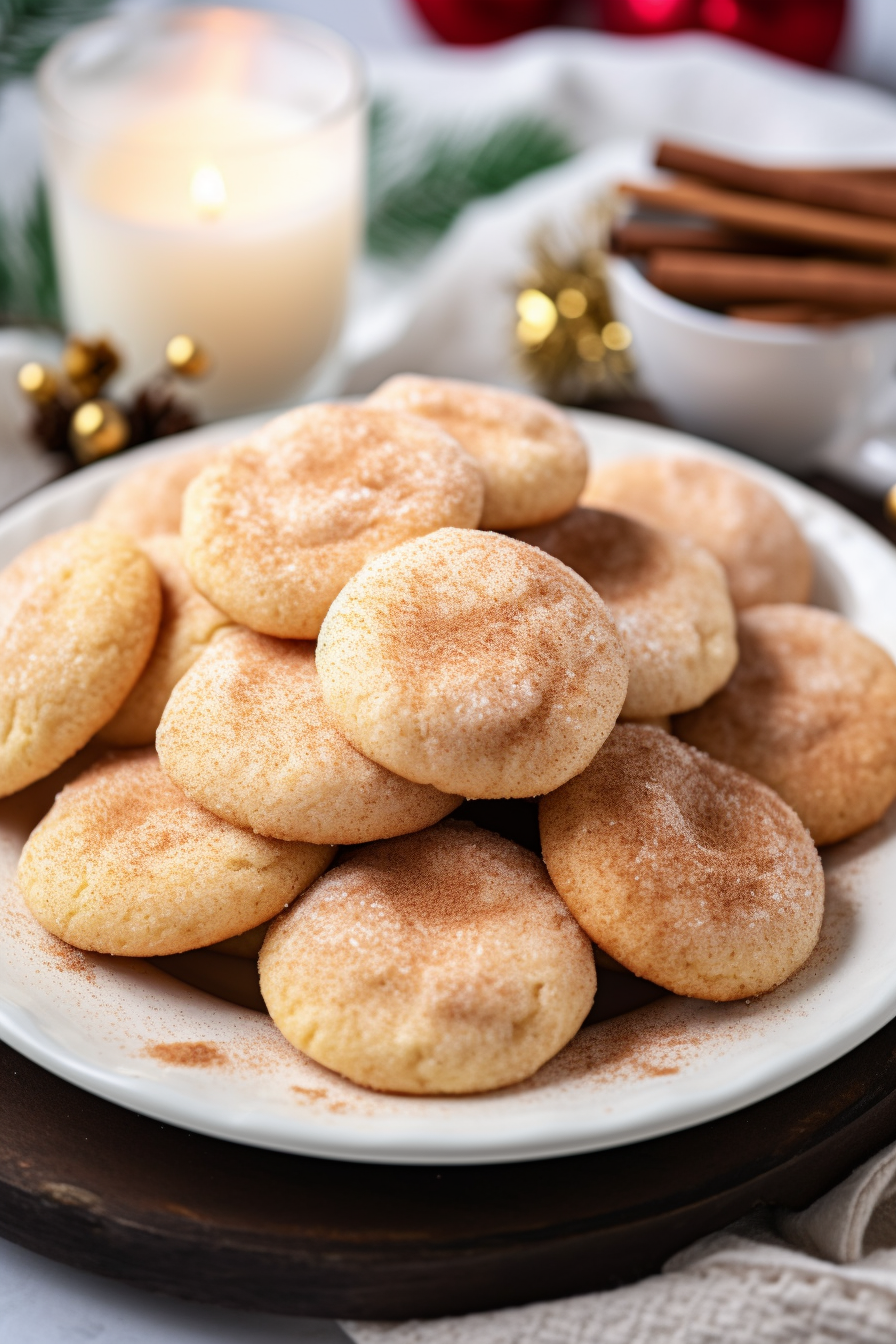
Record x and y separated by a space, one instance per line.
490 121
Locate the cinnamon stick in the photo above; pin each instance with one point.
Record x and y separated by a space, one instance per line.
723 279
756 214
859 191
637 236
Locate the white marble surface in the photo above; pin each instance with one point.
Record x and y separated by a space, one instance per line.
45 1303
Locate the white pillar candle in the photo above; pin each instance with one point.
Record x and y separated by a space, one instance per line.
205 171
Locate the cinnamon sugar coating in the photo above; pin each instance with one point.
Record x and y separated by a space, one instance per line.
246 734
811 710
442 962
189 622
79 612
147 502
279 524
690 873
668 597
473 662
735 518
533 457
125 863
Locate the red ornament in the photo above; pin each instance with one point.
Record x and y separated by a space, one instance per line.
643 17
472 22
804 30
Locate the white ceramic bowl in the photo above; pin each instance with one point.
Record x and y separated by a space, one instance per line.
776 391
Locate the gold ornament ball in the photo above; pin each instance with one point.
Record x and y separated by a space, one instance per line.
616 336
186 358
571 303
590 347
37 382
890 503
538 317
97 429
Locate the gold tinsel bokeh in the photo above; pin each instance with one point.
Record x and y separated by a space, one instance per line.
570 343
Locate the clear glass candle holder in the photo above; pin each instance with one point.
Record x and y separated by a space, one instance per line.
205 170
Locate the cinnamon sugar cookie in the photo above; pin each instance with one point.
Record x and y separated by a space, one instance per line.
443 962
189 622
79 612
532 456
668 597
472 662
735 518
280 523
125 863
811 710
246 734
687 871
147 502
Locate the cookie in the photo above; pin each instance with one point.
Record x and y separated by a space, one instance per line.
125 863
735 518
247 735
280 523
147 502
690 873
442 962
188 624
668 597
474 663
532 456
811 710
79 612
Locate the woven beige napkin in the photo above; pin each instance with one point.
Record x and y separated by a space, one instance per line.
826 1275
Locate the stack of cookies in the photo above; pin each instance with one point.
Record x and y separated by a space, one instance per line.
310 648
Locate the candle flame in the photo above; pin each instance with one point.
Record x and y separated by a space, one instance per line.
207 191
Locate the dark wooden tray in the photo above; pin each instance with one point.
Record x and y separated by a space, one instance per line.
96 1186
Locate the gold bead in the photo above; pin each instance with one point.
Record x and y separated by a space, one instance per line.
572 303
538 317
186 358
616 336
37 382
89 364
590 347
97 429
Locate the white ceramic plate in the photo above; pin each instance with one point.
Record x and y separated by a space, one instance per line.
128 1032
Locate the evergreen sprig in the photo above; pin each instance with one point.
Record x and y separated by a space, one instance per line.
29 292
411 208
28 28
28 289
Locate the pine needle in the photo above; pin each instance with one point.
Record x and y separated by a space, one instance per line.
6 281
28 28
40 286
410 210
29 292
28 288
